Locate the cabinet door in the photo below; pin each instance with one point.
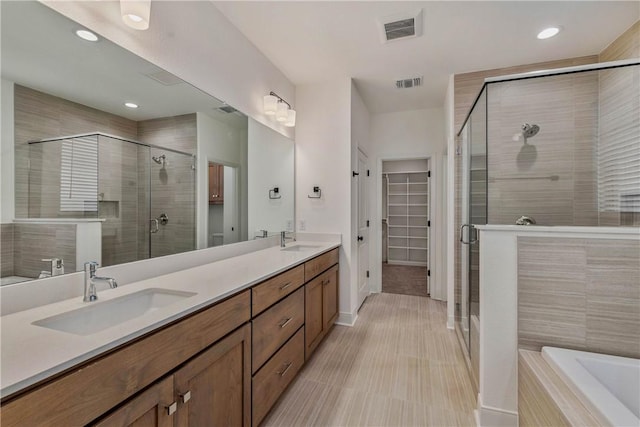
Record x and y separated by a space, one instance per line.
313 324
213 183
220 184
330 298
214 389
154 407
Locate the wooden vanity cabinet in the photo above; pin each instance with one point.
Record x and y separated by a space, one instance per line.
216 184
321 301
89 391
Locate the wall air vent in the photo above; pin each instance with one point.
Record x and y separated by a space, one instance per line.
409 83
401 26
165 78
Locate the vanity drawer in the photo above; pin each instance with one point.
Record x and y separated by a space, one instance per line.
275 376
319 264
275 326
270 291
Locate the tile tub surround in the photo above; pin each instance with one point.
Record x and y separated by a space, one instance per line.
30 354
497 400
544 398
580 294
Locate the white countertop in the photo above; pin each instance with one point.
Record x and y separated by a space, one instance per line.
32 353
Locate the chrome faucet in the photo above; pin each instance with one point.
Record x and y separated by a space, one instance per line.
263 234
90 281
284 238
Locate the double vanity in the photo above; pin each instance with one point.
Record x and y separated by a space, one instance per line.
215 344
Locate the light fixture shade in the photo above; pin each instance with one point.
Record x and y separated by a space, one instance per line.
270 105
282 112
291 119
136 13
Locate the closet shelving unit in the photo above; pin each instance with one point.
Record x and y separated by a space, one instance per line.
407 217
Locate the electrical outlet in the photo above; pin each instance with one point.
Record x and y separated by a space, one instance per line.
303 225
289 225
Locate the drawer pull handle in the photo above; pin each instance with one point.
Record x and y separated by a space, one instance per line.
172 408
284 371
186 396
286 322
285 286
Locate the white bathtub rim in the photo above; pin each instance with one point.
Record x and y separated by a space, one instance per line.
591 392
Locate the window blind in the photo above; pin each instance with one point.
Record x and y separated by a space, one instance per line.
619 140
79 175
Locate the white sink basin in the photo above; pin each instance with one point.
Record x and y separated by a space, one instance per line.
98 316
300 248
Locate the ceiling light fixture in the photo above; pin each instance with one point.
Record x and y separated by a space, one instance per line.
135 13
274 105
87 35
548 33
130 105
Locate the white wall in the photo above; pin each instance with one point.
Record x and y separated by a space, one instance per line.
403 135
219 143
196 43
323 158
7 169
271 164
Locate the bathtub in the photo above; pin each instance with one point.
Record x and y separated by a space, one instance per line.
610 385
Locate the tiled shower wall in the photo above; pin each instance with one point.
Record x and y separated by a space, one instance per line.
582 294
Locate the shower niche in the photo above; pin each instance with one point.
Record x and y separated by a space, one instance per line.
143 195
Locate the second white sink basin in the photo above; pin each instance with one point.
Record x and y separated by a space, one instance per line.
299 248
98 316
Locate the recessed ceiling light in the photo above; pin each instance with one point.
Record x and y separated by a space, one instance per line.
87 35
548 33
130 105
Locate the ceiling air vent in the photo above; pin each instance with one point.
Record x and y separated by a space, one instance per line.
401 26
408 83
165 78
227 109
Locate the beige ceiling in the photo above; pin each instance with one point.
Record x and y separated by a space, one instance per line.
318 41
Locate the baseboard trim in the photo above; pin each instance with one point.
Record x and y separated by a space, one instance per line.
495 417
347 319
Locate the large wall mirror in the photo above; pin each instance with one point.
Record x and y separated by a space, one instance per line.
107 157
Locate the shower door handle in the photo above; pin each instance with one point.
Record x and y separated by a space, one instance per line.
154 225
470 242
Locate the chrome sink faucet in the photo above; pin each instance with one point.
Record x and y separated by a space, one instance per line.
90 281
284 238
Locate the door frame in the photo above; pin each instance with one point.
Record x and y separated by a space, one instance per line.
367 256
375 236
202 196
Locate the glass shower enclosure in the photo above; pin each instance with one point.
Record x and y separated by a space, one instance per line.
144 195
555 147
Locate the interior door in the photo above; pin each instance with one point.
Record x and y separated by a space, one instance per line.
363 227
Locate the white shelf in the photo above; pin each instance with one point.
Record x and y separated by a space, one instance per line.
410 183
408 226
403 204
408 194
407 237
405 215
404 173
407 247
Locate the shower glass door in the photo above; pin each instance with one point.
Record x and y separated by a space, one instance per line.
474 212
172 219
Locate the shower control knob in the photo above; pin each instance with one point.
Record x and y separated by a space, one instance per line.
163 219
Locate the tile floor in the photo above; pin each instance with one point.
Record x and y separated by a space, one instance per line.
398 366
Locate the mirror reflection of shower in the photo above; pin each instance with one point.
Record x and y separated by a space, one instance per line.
527 131
161 160
528 153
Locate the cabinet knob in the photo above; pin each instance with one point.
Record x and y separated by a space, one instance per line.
326 282
185 396
172 408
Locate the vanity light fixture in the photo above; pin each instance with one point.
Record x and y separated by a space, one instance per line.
547 33
135 13
130 105
87 35
274 105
